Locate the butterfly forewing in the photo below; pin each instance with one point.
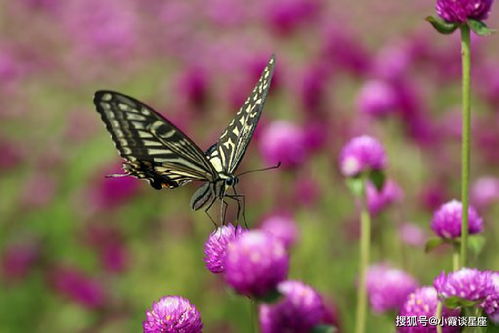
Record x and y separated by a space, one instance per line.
234 141
152 146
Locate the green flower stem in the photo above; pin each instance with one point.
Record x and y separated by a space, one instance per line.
365 239
474 311
438 314
466 137
455 257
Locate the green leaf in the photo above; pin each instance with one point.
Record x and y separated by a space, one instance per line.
355 184
454 302
480 28
324 329
441 26
476 243
377 177
271 297
433 243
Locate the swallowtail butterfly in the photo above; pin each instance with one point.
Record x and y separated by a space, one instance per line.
157 151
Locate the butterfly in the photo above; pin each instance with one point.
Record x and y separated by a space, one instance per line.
155 150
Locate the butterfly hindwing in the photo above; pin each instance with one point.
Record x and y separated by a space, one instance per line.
154 149
234 141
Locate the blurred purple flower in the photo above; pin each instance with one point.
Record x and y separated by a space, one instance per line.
377 98
485 191
393 61
462 10
388 287
446 221
109 193
491 303
360 154
18 259
50 6
11 68
315 134
411 234
283 142
313 89
108 241
433 195
11 156
256 262
307 191
285 16
300 309
78 287
344 51
193 86
103 28
172 314
282 226
389 194
423 302
467 283
228 13
215 248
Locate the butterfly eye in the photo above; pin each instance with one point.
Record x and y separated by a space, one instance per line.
229 181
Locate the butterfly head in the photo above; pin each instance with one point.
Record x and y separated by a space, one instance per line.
230 181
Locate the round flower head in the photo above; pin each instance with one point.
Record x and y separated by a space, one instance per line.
446 221
283 142
300 309
361 154
485 191
256 262
281 226
172 314
467 283
411 234
377 201
377 98
215 248
491 303
460 11
423 302
388 287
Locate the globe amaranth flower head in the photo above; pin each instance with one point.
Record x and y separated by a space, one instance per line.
491 303
363 153
256 262
377 98
215 248
172 314
423 302
446 221
299 310
467 283
379 200
388 287
462 10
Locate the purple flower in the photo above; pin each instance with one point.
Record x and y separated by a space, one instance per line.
172 314
485 191
215 248
300 309
307 191
377 201
282 226
363 153
78 287
388 287
285 16
393 61
313 88
12 154
377 98
462 10
467 283
446 222
411 234
423 302
193 86
256 262
491 303
283 142
315 134
18 259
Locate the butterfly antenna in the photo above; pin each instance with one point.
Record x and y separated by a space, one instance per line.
258 170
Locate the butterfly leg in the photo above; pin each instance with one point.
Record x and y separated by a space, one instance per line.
223 210
211 218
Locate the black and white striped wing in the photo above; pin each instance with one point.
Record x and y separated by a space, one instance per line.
153 148
228 152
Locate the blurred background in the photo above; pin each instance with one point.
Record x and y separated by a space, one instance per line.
82 253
